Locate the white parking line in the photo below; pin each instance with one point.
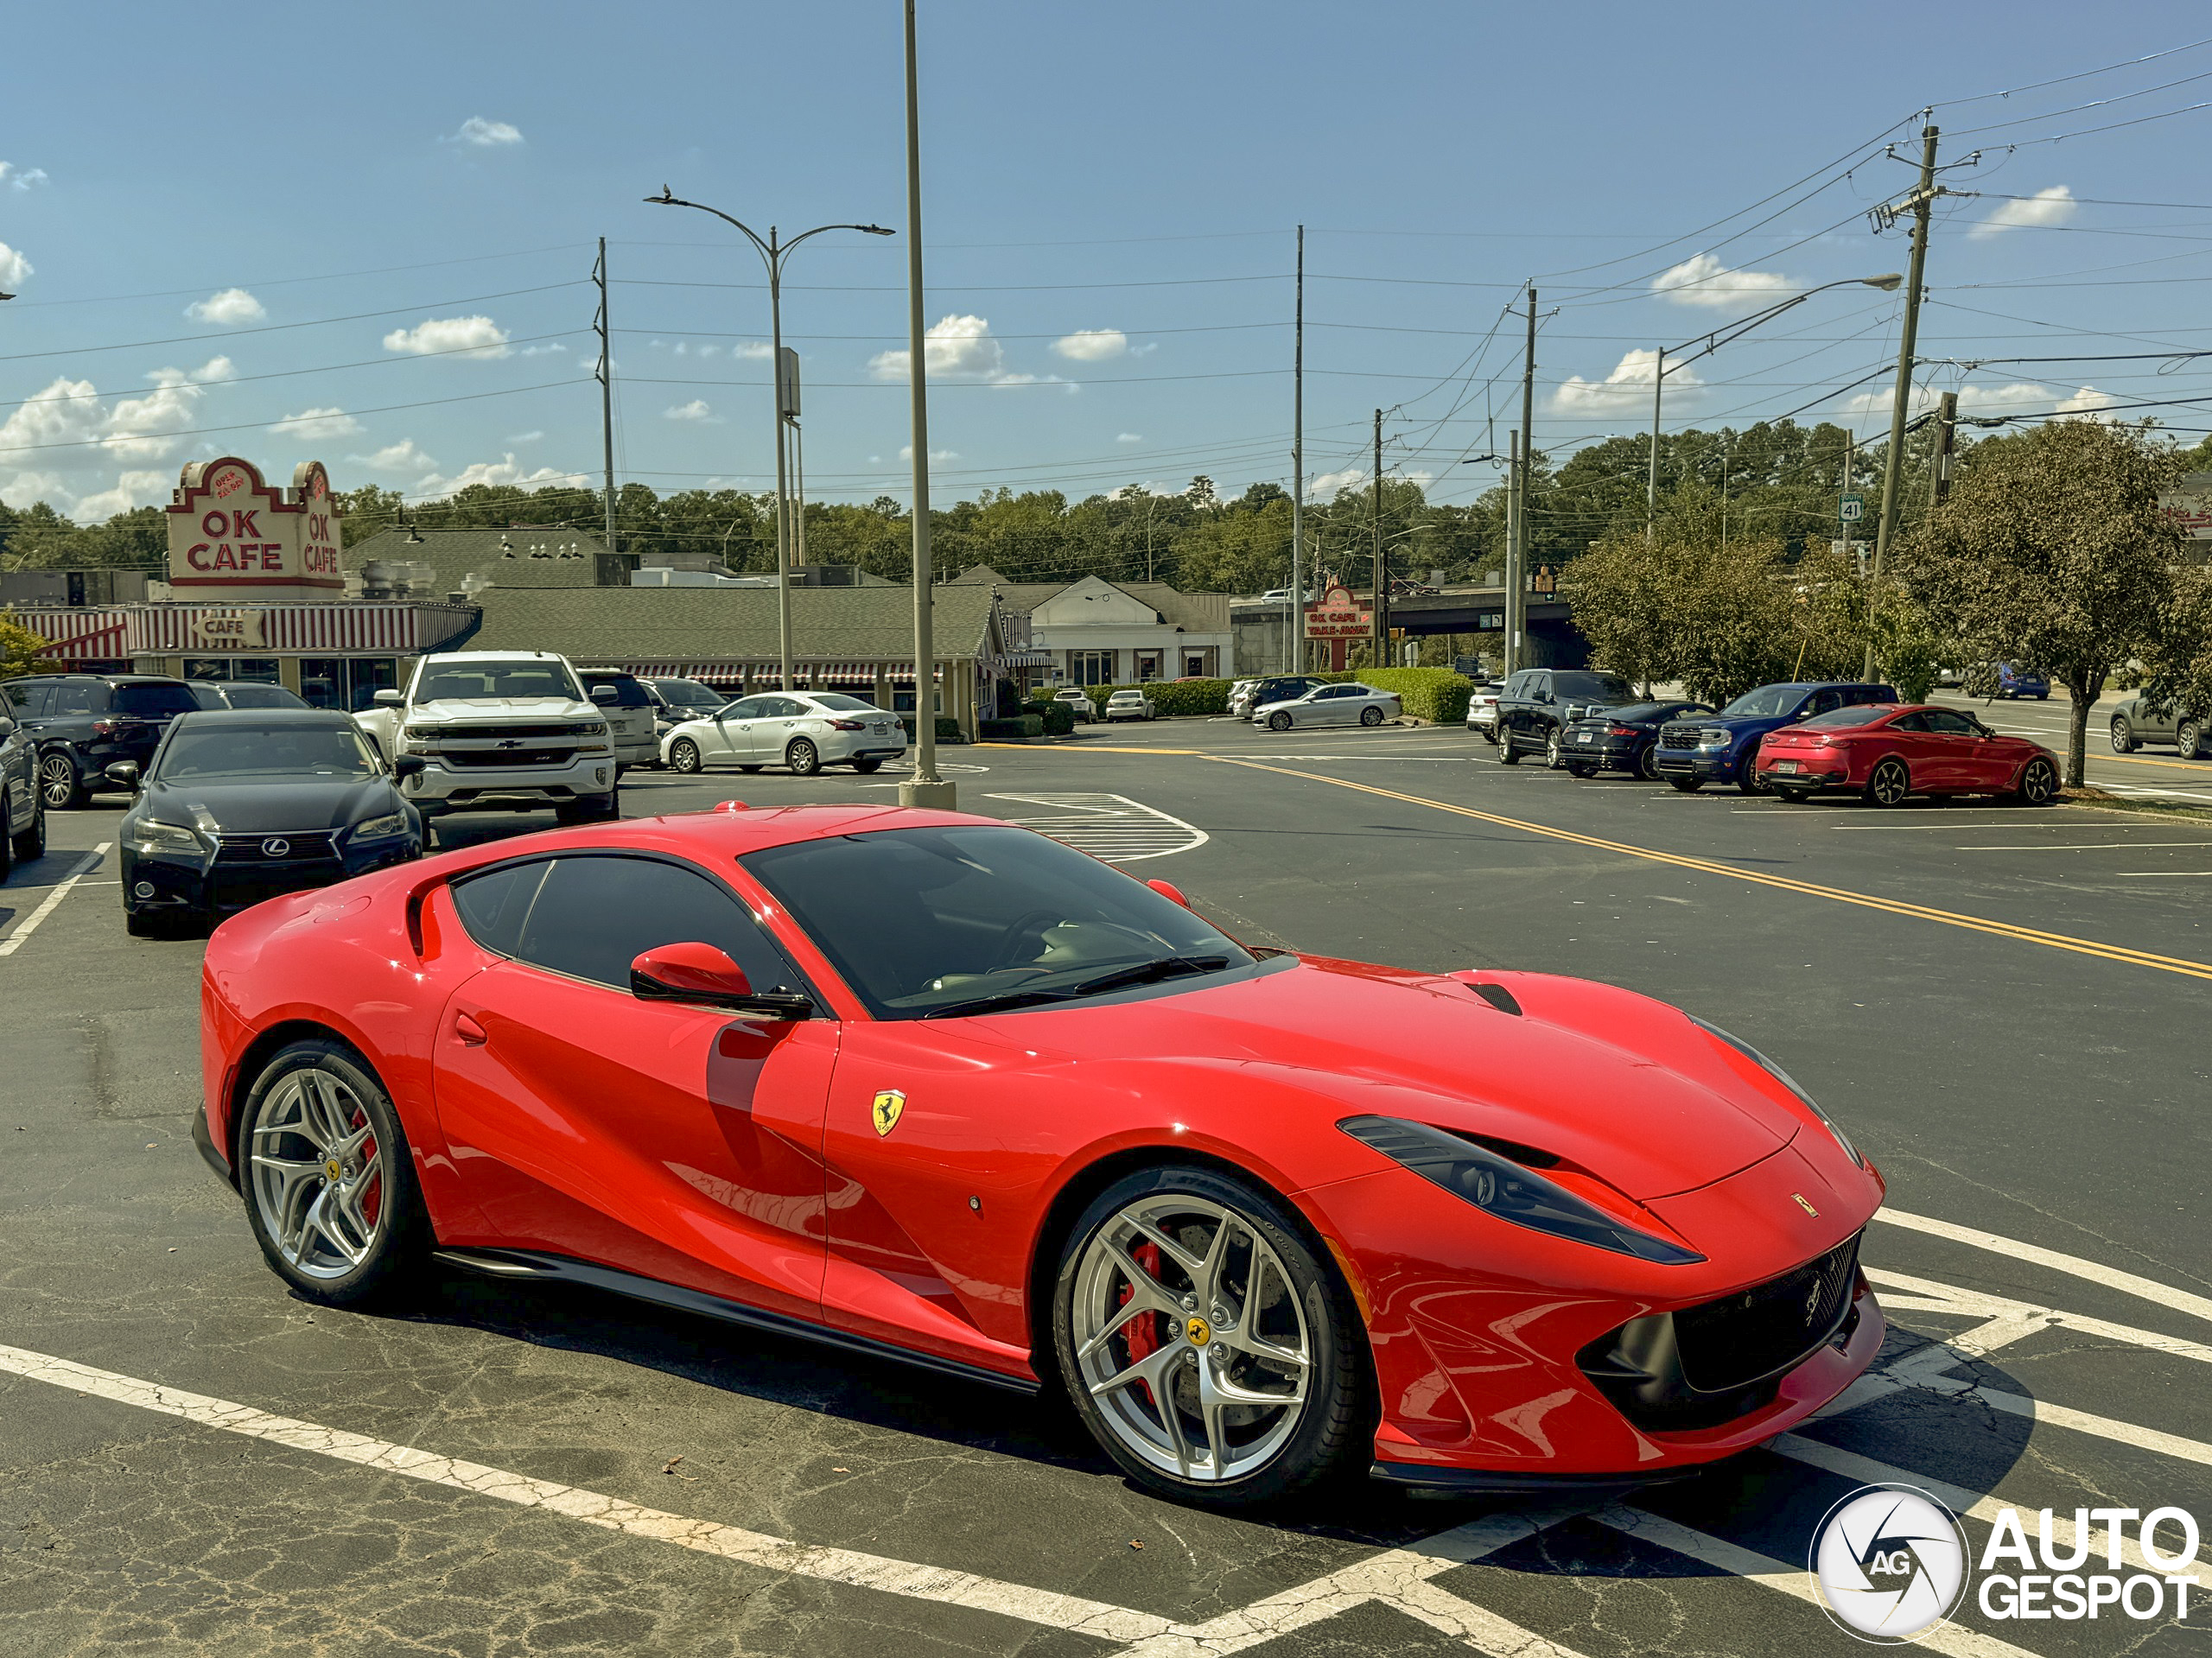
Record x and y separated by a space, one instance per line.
14 941
2111 1277
2086 846
1111 827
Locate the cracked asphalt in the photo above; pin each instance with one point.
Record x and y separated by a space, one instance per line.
191 1461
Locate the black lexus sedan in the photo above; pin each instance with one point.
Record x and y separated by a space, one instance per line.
1621 739
236 807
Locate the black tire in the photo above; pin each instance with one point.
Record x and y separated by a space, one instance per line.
2189 738
1747 774
144 924
1509 752
60 786
1488 734
1580 769
2038 784
867 768
2123 735
1688 785
1794 796
803 757
683 756
591 808
1333 1433
1371 716
1277 722
30 845
1889 784
1647 763
401 1231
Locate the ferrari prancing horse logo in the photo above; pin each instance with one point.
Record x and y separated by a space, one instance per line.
886 1109
1807 1207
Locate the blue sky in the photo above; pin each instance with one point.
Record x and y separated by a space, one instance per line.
363 234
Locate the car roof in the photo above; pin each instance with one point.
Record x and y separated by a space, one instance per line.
493 656
116 679
258 717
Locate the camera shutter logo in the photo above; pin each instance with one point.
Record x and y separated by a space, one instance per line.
1889 1562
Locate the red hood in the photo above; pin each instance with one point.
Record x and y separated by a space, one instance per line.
1622 1086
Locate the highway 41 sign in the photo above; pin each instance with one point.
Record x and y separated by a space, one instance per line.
1854 508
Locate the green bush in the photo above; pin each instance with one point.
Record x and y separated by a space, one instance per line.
948 728
1058 718
1433 694
1172 697
1020 727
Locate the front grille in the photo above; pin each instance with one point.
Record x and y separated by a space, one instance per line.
486 757
298 847
1678 737
1731 1343
529 733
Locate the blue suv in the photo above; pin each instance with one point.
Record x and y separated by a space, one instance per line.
1724 747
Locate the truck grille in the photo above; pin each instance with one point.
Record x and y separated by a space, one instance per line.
529 733
466 758
1678 736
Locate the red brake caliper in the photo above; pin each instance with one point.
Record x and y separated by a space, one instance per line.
1142 1332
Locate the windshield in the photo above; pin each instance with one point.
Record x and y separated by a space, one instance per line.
1858 716
1609 687
488 679
1656 710
1767 700
265 751
689 693
152 702
937 921
842 702
240 695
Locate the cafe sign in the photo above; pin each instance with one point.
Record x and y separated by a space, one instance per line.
214 629
229 530
1337 616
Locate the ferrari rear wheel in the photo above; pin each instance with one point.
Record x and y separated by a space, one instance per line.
1207 1348
329 1185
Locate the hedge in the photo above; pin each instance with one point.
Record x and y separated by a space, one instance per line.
1026 725
1434 694
948 728
1171 697
1058 718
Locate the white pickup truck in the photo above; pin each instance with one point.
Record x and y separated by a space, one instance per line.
498 730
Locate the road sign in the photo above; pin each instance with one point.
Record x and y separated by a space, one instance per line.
1854 508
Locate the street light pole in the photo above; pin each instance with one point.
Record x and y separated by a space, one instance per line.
772 254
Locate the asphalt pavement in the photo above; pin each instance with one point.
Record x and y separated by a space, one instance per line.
2004 1006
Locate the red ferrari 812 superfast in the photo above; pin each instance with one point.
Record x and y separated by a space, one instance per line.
938 1087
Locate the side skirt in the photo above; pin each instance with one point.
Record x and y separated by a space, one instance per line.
519 1263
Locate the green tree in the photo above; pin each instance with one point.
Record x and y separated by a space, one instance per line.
19 649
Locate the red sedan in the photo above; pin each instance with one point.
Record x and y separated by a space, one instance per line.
1889 751
940 1089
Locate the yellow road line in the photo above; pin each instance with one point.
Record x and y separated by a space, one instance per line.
2170 765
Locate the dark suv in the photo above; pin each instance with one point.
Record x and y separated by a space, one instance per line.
81 724
23 811
1538 704
1724 747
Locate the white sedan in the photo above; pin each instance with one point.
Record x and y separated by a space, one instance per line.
1129 705
804 730
1353 704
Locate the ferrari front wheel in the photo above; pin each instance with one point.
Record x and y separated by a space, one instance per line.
329 1185
1207 1347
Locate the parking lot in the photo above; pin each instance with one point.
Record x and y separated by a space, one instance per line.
2005 1006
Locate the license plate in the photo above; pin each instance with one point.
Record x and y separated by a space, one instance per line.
1785 765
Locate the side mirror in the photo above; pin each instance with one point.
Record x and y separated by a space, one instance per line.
124 774
702 973
410 766
603 693
1168 890
388 698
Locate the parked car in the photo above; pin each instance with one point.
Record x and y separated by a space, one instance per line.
2017 682
686 699
1353 704
2139 721
1129 705
1622 739
1080 705
1481 712
804 730
84 723
1248 694
1538 704
217 694
1888 753
239 806
1723 748
22 806
631 711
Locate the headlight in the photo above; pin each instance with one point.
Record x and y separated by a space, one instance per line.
1499 1186
1711 738
1784 1078
423 734
149 835
378 828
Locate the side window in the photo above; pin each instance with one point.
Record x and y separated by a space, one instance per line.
1910 722
32 699
593 915
750 707
493 905
1539 687
1951 723
1822 704
79 698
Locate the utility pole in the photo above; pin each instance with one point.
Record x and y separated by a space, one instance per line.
605 389
1651 484
1947 437
1512 653
1381 608
1296 661
1518 619
1923 203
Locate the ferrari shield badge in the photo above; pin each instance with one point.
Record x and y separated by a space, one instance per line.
886 1109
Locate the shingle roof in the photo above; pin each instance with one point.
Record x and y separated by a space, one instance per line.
610 625
1194 613
506 558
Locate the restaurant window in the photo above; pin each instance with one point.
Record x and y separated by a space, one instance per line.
1147 666
1091 667
259 670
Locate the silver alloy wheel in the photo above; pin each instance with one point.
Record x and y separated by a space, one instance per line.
57 780
1191 1338
2039 784
683 755
318 1174
1551 751
1890 784
2123 735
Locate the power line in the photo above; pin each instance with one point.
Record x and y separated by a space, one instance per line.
290 282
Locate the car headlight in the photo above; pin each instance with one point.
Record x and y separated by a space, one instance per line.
1711 738
1499 1186
423 734
149 834
1784 1078
377 828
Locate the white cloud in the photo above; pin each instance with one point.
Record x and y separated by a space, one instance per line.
401 456
502 471
317 424
957 348
147 488
231 306
760 350
146 427
2086 400
1129 437
710 350
471 336
486 135
1092 345
695 410
2052 207
907 453
1629 386
14 269
70 441
1328 483
526 437
1703 280
546 350
22 178
2026 396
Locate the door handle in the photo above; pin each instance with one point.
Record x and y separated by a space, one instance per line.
471 1033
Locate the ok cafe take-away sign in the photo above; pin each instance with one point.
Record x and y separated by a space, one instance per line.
228 529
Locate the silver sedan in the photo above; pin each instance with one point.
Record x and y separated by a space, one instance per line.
1353 704
802 730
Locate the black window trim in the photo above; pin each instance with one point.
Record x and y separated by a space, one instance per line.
823 1008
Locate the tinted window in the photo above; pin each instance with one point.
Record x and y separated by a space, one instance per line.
592 916
1858 716
751 708
32 700
1607 687
1913 721
628 693
489 679
1950 722
1768 701
494 905
689 693
80 696
243 696
917 920
194 750
154 702
843 704
1869 694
